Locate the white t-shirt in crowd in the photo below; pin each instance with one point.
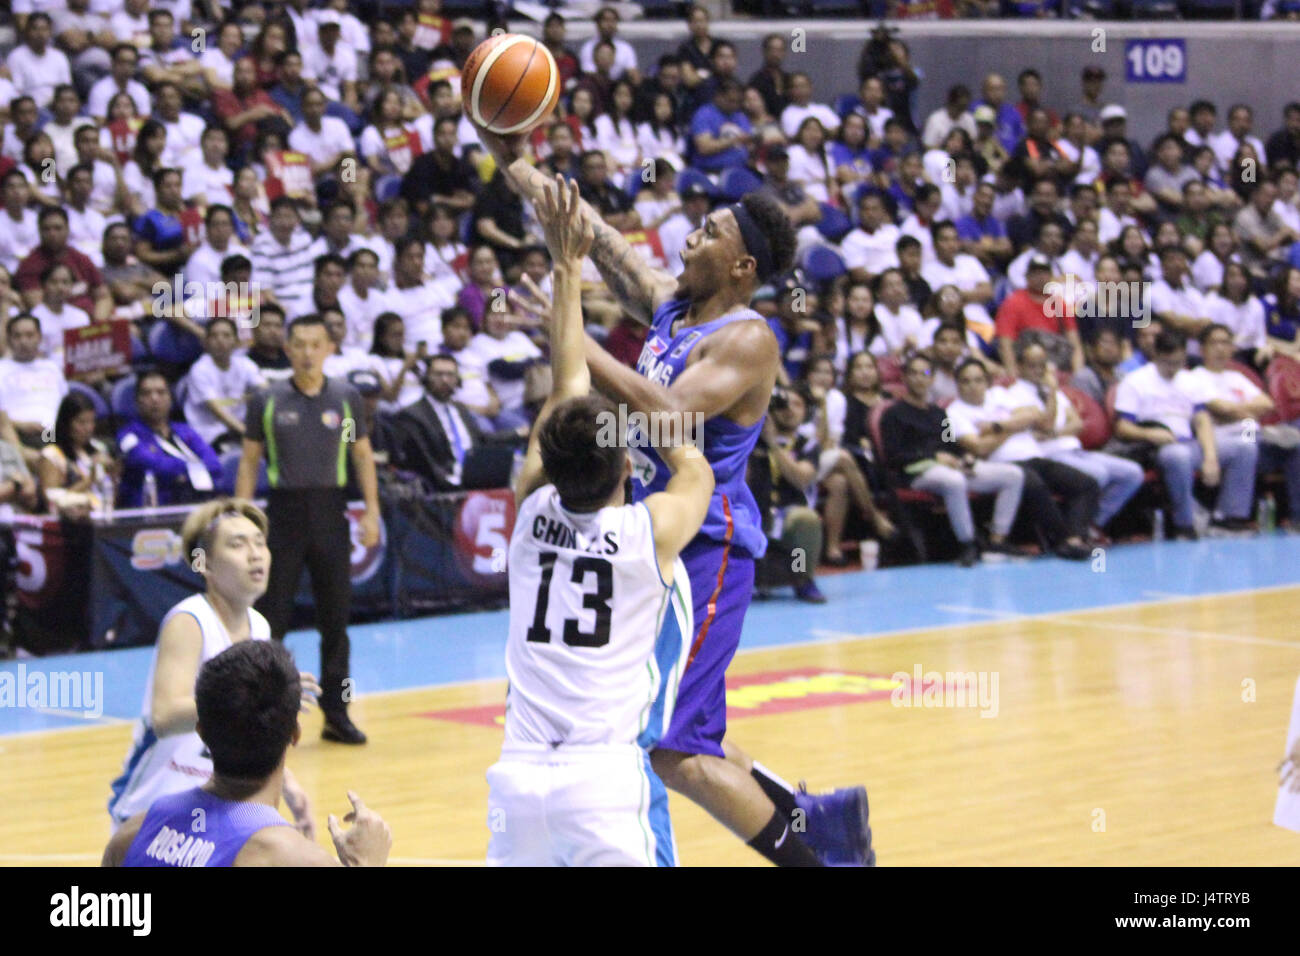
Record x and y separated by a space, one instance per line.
102 93
228 387
332 138
37 76
421 308
810 171
793 116
31 391
1145 396
473 377
966 272
624 57
998 406
17 238
1022 394
872 251
206 185
54 324
1246 319
514 346
1228 385
897 327
361 314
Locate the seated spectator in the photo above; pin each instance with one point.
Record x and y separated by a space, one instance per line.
783 467
810 163
1036 157
206 179
949 345
870 249
1174 300
498 220
1169 175
397 367
560 155
954 114
1265 237
1161 410
72 466
508 354
184 466
86 224
604 196
18 492
184 130
438 439
616 136
89 292
1081 258
1042 314
720 131
54 313
953 267
267 351
378 426
989 424
325 140
795 326
145 160
1049 245
19 232
31 387
658 202
284 259
361 298
1282 313
418 299
446 257
344 359
920 448
982 235
1058 433
927 204
838 475
625 59
475 391
217 387
440 176
1100 373
658 136
161 240
861 327
484 287
908 252
801 106
245 109
862 393
121 79
1235 405
219 242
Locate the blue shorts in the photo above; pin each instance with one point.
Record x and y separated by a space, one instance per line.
722 585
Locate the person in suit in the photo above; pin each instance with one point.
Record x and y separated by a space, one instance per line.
439 439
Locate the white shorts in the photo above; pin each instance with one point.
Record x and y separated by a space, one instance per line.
577 806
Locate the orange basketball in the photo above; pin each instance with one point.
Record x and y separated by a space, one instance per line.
510 83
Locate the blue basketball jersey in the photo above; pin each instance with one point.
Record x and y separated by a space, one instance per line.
733 515
196 828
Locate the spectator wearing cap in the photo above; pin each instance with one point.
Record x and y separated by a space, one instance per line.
954 114
378 426
184 466
625 61
986 142
331 62
1035 309
720 131
673 232
1114 126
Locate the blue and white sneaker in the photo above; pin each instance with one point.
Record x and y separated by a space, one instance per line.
836 827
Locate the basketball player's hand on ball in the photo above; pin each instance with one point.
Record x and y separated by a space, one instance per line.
569 233
369 840
505 148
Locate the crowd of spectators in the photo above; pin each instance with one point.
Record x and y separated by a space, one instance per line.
975 285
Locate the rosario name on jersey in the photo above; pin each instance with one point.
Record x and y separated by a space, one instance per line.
598 640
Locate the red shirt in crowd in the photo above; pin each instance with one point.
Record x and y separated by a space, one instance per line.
86 278
1022 310
227 105
626 341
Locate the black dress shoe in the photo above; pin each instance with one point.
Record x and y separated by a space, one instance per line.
341 730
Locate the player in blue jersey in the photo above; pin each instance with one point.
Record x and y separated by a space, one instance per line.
707 353
247 699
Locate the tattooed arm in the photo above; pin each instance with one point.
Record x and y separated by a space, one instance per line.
639 288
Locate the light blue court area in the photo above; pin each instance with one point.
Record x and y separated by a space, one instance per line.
400 655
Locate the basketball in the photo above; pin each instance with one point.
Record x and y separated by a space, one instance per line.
510 83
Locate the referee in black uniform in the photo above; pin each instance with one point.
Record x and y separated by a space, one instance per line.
306 425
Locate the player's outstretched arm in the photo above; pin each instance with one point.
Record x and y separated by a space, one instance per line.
367 843
180 647
679 510
568 237
639 288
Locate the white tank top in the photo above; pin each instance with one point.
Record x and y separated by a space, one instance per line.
598 640
156 766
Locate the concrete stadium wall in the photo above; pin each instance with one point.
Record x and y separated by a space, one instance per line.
1254 63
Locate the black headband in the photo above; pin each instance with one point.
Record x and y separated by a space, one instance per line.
755 240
